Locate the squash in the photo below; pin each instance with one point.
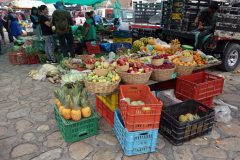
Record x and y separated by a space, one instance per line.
158 48
238 71
24 33
142 48
151 42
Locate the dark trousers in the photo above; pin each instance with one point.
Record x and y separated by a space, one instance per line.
70 41
1 32
9 33
206 19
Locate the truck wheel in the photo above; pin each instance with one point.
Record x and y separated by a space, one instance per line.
230 57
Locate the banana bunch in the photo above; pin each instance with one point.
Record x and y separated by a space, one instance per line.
144 40
32 73
138 43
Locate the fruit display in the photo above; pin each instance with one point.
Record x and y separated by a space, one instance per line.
145 59
137 68
122 62
175 42
74 105
136 45
157 57
144 40
164 66
112 76
186 54
102 65
90 62
176 60
188 117
134 102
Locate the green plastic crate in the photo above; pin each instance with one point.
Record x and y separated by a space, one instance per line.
39 44
76 130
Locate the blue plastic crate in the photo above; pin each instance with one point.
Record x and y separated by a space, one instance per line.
122 44
122 34
134 143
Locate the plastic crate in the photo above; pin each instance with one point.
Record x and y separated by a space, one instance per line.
122 34
17 57
199 86
105 111
207 101
76 130
32 59
139 117
111 101
112 28
179 132
93 48
120 40
122 44
134 143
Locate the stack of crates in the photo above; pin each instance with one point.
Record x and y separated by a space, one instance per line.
136 126
122 36
106 105
180 15
200 86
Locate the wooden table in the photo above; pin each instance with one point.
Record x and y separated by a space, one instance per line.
152 82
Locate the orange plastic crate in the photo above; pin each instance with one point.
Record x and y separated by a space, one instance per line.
93 48
139 117
17 57
199 86
32 59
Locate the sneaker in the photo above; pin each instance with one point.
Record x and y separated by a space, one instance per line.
49 61
54 62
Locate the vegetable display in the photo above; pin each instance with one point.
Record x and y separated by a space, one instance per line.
71 79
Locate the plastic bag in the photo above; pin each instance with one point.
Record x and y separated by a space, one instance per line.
61 70
218 102
167 97
107 46
222 114
49 70
77 60
39 76
112 55
161 43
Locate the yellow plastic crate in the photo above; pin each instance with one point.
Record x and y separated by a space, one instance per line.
176 16
117 40
111 101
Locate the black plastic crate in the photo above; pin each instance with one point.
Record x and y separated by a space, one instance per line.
122 34
179 132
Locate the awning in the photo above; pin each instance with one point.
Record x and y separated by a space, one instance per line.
26 4
80 2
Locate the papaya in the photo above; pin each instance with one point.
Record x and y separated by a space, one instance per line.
151 42
158 48
142 48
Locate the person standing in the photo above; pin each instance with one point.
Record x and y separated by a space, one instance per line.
89 29
117 23
1 29
23 17
63 22
35 20
13 24
46 27
95 17
4 17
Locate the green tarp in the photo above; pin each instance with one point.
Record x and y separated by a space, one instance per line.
80 2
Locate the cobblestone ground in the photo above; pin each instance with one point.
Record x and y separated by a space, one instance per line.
28 130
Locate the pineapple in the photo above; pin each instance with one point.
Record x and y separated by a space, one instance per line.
66 112
62 97
189 115
85 95
196 116
86 111
183 118
56 93
76 113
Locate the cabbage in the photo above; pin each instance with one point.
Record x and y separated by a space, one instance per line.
72 78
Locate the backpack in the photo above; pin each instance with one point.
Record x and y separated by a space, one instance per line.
61 22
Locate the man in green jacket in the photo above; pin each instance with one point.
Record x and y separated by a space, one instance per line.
206 21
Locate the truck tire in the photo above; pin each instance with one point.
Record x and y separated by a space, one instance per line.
230 57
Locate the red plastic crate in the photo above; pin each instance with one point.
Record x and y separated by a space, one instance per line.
17 57
105 111
93 48
199 86
108 11
199 70
32 59
112 28
207 101
139 117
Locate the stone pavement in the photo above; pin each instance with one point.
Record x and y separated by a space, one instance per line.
28 130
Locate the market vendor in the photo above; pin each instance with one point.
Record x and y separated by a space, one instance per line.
206 21
117 23
89 29
36 23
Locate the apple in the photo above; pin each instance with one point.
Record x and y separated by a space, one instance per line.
132 72
131 64
99 67
114 64
147 70
130 69
138 72
135 69
125 59
111 68
141 70
139 64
